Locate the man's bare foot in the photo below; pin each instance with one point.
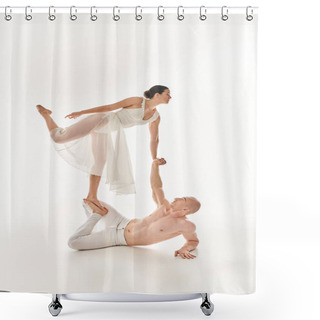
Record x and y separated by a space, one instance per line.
97 203
95 208
43 110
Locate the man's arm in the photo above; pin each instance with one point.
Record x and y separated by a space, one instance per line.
156 184
191 243
154 137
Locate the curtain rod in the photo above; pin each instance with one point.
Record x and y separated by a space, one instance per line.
111 7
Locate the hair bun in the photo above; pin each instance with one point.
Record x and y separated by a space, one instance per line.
147 94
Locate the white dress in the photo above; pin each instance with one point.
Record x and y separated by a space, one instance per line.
97 145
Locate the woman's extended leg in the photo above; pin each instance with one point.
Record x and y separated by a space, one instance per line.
75 131
46 115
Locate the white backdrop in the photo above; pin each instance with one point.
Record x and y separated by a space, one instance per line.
287 266
207 135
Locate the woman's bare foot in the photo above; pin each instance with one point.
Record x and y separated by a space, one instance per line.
95 208
43 110
97 203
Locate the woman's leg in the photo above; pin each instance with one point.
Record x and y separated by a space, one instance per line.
99 151
75 131
46 115
78 130
93 190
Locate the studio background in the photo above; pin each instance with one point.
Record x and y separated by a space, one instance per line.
287 183
206 134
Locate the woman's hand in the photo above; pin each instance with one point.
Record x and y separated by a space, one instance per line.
74 115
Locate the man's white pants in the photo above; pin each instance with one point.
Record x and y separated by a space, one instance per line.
112 235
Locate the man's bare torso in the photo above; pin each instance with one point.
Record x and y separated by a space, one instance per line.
159 226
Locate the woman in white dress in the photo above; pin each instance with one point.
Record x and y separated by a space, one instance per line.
97 143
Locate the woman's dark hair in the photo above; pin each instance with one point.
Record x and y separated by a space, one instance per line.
152 91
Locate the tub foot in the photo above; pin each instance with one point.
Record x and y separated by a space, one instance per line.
206 305
55 306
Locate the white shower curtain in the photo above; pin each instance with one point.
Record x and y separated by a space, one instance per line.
206 135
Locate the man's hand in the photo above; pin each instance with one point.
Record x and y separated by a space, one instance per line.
184 254
159 162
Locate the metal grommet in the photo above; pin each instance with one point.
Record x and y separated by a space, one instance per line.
116 17
180 16
28 16
73 17
8 17
160 16
138 17
203 16
93 17
249 16
224 17
52 16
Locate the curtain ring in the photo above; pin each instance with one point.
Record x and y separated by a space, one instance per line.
203 16
116 17
249 16
138 17
52 16
160 17
180 16
224 17
28 16
93 17
73 16
8 17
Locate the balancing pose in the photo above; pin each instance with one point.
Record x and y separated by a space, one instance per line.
97 143
167 221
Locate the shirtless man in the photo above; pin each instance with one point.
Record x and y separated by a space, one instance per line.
167 221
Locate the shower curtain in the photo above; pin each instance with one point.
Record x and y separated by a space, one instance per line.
206 136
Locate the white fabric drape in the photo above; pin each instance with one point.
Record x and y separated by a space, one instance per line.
207 135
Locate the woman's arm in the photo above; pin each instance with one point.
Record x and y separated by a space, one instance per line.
109 107
154 137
